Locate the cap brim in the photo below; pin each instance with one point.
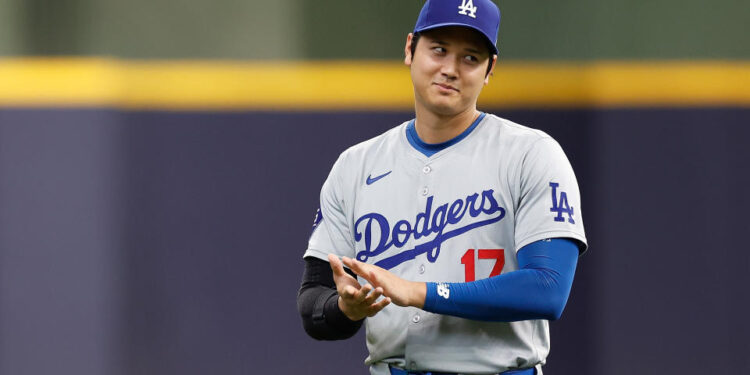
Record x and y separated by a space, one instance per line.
439 25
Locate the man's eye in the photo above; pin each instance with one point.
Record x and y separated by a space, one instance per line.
438 49
471 58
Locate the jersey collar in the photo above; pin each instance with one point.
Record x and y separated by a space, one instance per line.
429 149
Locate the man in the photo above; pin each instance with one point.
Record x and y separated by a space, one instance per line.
463 228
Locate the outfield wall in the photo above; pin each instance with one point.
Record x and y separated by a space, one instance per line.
170 242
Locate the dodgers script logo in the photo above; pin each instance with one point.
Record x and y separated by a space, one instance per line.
427 223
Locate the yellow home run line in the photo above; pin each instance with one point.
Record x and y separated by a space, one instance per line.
225 85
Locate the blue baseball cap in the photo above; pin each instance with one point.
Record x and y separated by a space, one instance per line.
480 15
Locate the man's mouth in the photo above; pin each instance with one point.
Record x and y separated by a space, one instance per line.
446 86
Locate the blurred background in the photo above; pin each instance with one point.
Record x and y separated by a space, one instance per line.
160 165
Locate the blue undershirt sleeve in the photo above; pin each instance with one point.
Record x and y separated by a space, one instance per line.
539 289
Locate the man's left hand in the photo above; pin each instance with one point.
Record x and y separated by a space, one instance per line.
402 292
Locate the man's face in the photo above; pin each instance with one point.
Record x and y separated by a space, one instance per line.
448 69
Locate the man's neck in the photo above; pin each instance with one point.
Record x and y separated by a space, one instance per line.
434 128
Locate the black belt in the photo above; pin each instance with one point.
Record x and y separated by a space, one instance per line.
398 371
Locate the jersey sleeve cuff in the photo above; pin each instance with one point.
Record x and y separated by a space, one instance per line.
554 234
316 254
322 254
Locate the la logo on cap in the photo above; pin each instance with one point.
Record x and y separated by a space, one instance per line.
468 6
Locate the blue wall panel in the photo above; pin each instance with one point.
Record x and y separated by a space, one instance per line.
171 242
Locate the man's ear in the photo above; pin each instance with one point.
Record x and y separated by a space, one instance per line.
407 50
492 69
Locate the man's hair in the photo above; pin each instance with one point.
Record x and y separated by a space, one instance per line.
415 39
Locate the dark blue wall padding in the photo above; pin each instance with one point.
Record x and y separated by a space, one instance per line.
171 242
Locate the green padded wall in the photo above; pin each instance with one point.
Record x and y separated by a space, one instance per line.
357 29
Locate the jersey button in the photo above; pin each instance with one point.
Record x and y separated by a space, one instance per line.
421 268
426 169
425 191
415 319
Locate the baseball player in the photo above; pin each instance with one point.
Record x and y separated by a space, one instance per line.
454 236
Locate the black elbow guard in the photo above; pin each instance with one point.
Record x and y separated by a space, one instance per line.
322 318
317 303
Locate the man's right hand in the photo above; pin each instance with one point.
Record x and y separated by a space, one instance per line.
355 301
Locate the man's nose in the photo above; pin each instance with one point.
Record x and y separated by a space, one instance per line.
449 68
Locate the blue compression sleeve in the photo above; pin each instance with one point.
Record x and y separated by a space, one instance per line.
539 289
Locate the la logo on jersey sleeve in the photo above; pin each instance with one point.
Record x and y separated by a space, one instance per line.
560 204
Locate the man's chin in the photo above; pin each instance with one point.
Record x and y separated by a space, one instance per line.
445 109
442 105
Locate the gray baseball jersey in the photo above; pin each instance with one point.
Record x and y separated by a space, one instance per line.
458 215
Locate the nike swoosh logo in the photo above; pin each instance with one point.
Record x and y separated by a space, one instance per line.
371 180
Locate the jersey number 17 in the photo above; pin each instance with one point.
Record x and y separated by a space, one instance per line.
468 260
